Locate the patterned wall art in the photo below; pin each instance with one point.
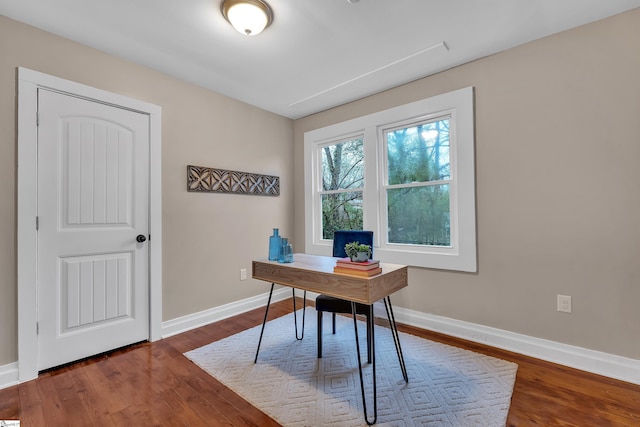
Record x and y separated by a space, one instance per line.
210 180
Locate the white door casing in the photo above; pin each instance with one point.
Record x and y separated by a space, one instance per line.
93 179
29 84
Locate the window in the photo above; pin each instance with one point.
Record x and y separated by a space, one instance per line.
418 177
406 173
342 185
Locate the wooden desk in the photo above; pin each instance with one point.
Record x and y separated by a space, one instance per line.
315 273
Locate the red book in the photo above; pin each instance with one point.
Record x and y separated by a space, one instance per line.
364 265
355 272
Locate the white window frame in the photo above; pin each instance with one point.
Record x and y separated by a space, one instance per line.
459 106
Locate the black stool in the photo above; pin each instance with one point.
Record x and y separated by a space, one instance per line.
336 305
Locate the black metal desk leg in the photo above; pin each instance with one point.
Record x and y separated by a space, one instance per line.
264 322
396 337
373 361
295 316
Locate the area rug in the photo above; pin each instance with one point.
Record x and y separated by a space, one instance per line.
447 386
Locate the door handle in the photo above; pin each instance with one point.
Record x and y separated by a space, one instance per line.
141 238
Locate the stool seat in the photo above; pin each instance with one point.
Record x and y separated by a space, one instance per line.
336 305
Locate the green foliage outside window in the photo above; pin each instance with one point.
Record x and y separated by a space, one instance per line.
419 215
418 195
342 182
418 205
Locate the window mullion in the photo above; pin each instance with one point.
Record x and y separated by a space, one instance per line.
371 196
419 184
342 190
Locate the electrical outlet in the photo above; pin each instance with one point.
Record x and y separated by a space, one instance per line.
243 274
564 303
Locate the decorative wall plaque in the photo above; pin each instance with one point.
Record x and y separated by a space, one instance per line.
210 180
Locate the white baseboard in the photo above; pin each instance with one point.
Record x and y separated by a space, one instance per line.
608 365
9 372
8 375
202 318
596 362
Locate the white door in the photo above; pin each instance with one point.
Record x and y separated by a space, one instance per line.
93 202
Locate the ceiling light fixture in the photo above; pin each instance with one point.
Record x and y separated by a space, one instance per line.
249 17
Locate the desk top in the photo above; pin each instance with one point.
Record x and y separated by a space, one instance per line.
315 273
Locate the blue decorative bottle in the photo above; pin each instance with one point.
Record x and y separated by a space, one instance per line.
286 251
274 245
288 255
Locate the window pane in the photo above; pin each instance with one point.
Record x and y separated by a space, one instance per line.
343 165
418 153
419 215
341 211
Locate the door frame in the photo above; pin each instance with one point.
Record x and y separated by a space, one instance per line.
29 81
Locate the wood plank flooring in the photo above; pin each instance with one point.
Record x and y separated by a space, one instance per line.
153 384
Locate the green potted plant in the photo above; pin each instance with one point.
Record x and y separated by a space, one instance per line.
357 252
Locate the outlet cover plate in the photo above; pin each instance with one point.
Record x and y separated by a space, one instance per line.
564 303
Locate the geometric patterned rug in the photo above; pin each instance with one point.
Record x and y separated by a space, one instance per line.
448 386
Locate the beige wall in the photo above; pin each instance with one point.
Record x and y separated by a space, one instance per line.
558 188
207 237
557 151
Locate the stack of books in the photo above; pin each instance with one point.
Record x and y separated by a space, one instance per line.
364 269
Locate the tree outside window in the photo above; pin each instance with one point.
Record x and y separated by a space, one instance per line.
342 185
418 175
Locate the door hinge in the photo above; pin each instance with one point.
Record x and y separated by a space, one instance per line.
37 223
37 119
37 328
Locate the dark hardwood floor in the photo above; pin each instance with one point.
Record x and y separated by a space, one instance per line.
154 384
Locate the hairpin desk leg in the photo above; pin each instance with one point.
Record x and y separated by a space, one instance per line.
295 316
264 322
373 361
396 337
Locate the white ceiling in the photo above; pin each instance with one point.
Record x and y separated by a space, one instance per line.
317 53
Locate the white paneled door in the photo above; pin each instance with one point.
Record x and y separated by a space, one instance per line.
93 222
